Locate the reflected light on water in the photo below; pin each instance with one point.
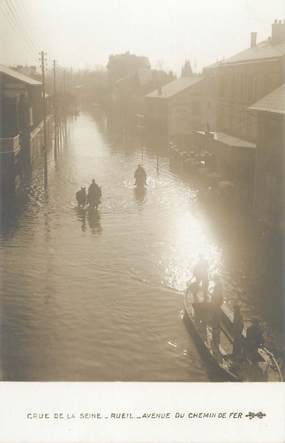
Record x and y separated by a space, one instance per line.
192 238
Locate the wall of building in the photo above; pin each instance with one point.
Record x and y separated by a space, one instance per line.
156 115
187 112
270 169
21 106
239 86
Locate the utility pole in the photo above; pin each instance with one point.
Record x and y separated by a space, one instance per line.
54 85
55 108
43 54
64 83
64 100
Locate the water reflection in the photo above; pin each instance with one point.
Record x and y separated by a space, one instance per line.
190 238
140 194
93 217
90 217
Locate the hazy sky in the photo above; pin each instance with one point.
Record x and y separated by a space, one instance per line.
83 33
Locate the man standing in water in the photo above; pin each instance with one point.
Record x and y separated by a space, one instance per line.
94 194
140 176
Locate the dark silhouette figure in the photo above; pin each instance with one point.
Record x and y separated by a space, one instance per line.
217 301
237 333
81 196
94 195
201 274
140 177
254 339
217 294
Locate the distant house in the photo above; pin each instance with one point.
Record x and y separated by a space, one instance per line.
269 199
128 93
177 108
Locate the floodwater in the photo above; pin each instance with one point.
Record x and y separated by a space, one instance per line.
98 295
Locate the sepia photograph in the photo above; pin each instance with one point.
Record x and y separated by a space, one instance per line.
142 206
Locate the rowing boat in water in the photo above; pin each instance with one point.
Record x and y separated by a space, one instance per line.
198 316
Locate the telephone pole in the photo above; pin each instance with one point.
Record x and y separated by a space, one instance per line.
43 55
54 84
54 94
55 108
64 101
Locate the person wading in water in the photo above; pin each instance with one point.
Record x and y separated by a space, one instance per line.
94 194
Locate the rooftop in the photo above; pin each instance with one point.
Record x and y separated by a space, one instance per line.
175 87
263 50
18 75
273 102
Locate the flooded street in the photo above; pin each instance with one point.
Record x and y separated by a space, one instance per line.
98 295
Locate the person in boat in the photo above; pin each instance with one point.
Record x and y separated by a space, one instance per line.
201 273
254 338
217 300
94 194
193 288
238 326
218 292
140 176
81 196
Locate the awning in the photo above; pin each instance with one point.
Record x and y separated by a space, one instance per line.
227 139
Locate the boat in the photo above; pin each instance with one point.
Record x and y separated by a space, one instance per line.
219 358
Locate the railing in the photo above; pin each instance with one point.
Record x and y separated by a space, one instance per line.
39 128
10 145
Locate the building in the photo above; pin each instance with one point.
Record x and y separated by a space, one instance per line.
239 82
20 102
269 201
177 108
128 94
245 78
21 114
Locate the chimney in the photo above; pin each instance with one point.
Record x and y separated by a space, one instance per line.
278 32
253 36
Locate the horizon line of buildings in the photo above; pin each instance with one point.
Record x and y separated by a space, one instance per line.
234 109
